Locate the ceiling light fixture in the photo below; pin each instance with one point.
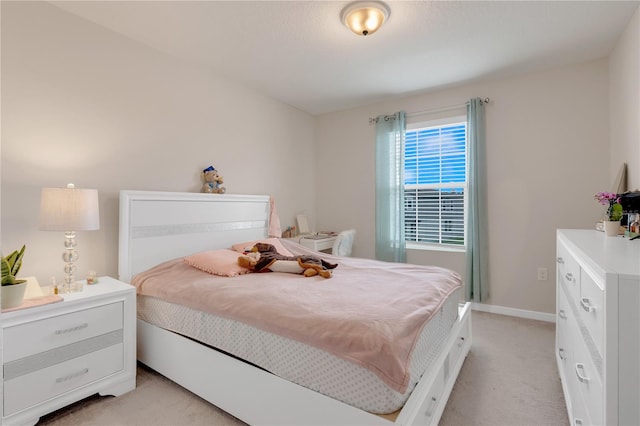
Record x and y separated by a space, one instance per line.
365 17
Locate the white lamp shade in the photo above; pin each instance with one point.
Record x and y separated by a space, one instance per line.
69 209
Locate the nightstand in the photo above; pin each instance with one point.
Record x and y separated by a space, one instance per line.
57 354
318 242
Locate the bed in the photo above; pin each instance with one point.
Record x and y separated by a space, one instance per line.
158 229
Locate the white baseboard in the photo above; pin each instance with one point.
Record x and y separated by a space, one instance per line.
503 310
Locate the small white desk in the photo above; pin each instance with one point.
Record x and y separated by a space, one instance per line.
317 244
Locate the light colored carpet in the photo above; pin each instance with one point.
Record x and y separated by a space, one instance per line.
510 378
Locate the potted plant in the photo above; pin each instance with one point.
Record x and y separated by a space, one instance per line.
614 211
12 288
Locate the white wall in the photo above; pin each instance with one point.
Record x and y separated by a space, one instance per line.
547 148
624 86
554 139
81 104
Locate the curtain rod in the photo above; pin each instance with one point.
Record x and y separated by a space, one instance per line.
441 109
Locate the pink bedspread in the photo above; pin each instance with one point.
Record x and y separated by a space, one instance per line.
370 312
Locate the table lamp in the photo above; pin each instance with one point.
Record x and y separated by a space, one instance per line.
69 209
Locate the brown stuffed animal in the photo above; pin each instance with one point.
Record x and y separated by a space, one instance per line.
265 258
212 181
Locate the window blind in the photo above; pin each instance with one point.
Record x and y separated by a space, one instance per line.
435 184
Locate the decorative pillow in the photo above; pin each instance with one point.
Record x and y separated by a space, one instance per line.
242 247
217 262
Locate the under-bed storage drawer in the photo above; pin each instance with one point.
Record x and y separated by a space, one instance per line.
60 330
456 349
40 385
428 408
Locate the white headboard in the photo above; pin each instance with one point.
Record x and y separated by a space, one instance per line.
159 226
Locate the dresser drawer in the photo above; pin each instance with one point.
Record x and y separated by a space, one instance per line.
38 336
568 271
591 308
41 385
579 413
565 328
588 382
568 333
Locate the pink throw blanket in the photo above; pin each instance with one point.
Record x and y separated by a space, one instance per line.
370 313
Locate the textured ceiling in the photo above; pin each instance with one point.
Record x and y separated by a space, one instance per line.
299 52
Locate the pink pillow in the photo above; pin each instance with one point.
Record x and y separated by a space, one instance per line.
217 262
242 247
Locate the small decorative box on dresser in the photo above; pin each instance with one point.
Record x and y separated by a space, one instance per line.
598 327
59 353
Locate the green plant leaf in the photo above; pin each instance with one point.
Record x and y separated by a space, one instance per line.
5 268
11 266
8 280
616 212
18 262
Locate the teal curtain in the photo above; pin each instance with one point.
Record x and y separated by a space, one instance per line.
477 282
390 242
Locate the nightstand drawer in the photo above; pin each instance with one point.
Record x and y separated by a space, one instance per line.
39 336
41 385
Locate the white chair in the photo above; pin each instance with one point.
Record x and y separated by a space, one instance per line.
343 243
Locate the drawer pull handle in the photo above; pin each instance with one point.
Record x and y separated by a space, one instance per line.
580 373
72 375
562 314
72 329
560 260
586 305
569 276
561 353
578 422
429 411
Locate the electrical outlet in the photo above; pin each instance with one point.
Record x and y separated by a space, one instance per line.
543 274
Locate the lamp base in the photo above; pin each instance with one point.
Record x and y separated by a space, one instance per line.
70 256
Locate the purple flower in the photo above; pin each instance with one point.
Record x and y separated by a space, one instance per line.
607 198
611 199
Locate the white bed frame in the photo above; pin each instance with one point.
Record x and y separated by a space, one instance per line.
159 226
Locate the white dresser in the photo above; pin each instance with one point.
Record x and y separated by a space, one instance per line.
59 353
598 326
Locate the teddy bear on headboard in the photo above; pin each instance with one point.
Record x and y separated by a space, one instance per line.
212 181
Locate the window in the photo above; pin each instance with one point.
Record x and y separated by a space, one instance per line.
435 183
